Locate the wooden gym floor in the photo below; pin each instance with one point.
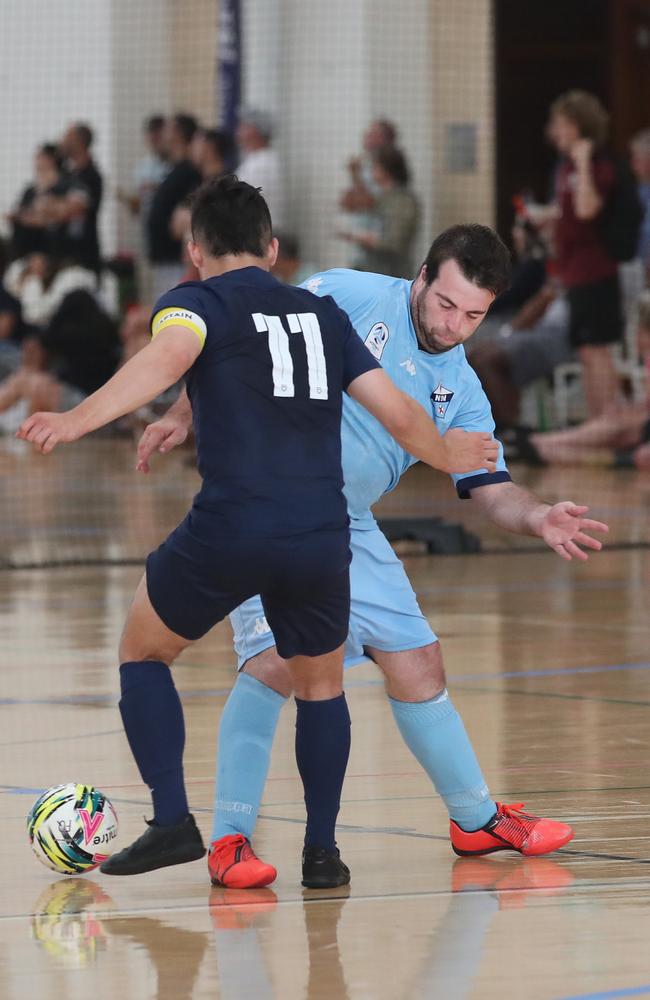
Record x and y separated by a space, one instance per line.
549 665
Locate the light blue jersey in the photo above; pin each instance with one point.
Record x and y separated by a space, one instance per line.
444 384
384 612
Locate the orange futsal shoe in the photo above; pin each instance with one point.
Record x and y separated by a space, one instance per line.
510 829
233 864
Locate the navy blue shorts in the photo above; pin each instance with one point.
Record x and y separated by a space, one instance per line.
195 579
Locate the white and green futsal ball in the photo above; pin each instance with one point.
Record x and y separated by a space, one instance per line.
72 828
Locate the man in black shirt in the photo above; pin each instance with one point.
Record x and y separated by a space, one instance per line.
164 250
80 206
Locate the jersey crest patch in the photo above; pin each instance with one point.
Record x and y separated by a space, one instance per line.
441 398
313 285
377 340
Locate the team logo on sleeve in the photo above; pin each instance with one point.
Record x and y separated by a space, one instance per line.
313 284
377 340
441 398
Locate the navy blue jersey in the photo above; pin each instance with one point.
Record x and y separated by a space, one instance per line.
266 395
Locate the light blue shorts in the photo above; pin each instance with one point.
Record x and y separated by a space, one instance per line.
384 611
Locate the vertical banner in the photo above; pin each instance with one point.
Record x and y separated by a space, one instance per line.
229 63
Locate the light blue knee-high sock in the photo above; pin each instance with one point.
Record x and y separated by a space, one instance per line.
434 732
248 724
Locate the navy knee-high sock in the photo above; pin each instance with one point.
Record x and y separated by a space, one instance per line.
322 751
153 720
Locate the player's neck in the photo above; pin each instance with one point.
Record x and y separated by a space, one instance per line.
216 266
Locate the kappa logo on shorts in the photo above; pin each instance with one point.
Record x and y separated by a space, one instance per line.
377 340
261 626
441 398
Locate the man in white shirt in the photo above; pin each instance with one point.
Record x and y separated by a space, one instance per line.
260 163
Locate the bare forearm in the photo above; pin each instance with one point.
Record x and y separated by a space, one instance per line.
586 200
181 410
138 382
511 507
420 438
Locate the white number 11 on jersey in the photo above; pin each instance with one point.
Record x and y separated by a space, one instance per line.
307 324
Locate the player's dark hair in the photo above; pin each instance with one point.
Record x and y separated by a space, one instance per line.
480 253
186 125
85 133
230 216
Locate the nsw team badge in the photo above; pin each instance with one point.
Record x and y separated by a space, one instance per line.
441 398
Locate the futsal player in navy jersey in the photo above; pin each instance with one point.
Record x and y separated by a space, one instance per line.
265 366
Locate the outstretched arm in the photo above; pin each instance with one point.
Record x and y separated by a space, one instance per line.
414 429
563 526
152 370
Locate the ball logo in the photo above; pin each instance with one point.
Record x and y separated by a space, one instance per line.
91 824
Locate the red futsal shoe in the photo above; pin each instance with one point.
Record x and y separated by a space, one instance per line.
233 864
510 829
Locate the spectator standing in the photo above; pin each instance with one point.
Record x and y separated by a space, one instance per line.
584 188
150 169
79 209
164 248
213 152
35 226
386 247
360 196
260 164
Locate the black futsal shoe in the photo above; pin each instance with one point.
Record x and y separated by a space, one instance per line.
158 847
323 869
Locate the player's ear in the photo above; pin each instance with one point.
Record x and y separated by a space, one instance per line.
272 251
195 254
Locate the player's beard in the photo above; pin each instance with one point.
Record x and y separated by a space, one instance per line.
433 339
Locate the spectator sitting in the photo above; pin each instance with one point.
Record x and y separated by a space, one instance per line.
624 427
289 266
41 283
530 347
35 225
164 248
387 247
259 164
32 387
59 298
12 331
528 271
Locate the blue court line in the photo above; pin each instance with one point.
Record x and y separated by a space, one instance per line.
18 790
632 991
108 699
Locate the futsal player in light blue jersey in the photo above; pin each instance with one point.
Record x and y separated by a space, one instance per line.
416 330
